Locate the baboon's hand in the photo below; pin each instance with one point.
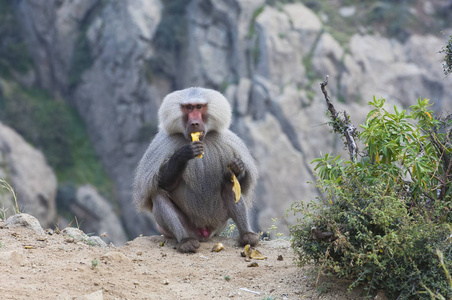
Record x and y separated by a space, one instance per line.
237 167
197 148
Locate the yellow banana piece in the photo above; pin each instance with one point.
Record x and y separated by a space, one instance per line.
236 188
195 137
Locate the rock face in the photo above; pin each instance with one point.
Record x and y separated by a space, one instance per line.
268 61
90 212
27 171
399 72
97 214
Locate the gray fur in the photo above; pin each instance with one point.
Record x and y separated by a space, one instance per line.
198 196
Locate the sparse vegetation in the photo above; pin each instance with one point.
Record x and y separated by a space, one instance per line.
3 215
57 130
170 34
230 230
252 27
396 19
14 54
272 232
82 58
169 40
6 186
94 263
254 52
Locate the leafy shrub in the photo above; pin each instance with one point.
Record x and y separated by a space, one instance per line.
384 216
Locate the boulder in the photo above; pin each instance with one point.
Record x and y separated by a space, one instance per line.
24 220
78 235
26 170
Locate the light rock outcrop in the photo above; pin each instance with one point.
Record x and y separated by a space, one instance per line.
274 151
399 72
26 170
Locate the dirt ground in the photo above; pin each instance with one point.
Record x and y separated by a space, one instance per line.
57 267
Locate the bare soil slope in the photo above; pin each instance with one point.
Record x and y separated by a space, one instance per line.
58 267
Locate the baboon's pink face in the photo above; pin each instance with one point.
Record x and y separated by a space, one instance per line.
194 118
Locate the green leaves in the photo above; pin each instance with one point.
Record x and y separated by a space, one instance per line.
328 167
400 139
385 133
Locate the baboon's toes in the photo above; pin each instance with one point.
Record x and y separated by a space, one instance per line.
250 238
189 245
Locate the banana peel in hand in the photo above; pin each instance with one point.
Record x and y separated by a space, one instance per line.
235 183
195 137
236 188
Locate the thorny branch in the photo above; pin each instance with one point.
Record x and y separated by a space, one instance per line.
342 126
443 149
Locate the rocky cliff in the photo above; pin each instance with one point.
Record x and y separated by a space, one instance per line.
116 60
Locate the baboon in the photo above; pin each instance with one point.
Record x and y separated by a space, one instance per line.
191 197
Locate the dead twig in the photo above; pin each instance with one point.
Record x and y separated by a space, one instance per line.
342 126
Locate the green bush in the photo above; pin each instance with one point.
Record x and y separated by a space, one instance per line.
385 215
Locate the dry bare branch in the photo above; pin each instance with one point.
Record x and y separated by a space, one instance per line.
342 126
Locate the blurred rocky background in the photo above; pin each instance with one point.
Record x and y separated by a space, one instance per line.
81 82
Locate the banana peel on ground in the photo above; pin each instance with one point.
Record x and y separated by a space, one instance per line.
217 247
252 253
